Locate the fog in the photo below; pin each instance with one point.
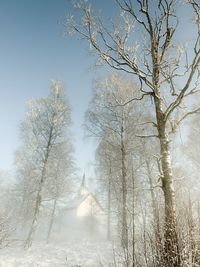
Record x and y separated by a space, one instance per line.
126 192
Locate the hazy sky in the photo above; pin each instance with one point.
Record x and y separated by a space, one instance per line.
33 51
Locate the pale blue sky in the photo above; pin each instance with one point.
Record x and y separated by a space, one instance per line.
33 51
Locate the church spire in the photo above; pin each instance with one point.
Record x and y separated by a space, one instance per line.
83 189
83 181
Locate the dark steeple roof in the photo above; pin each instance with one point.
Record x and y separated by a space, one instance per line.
83 181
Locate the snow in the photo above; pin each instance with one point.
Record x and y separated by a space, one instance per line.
85 253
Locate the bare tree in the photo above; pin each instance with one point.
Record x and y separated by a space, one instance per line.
113 124
142 43
44 133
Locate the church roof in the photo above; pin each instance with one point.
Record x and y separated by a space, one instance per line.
75 202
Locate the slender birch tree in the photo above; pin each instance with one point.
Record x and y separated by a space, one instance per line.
45 134
113 124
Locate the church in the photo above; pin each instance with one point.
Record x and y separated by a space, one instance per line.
87 203
84 215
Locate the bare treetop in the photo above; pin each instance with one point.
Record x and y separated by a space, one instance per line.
142 42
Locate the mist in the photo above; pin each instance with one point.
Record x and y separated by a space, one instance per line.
100 133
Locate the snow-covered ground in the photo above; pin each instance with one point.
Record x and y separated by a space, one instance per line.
84 253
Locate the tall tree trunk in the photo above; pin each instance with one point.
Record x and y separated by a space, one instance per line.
51 221
33 227
124 237
133 219
109 207
172 255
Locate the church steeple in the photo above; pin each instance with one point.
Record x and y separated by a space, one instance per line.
83 189
83 181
